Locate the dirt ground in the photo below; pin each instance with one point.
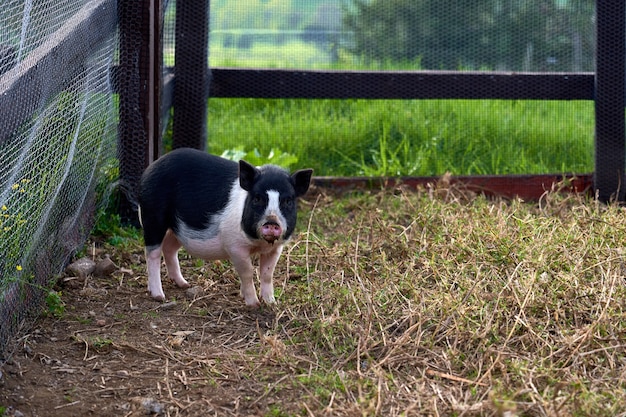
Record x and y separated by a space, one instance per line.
393 303
114 351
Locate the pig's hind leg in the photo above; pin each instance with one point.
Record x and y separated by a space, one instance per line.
170 247
153 261
154 231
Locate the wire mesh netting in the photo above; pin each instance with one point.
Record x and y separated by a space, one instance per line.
425 137
58 136
57 141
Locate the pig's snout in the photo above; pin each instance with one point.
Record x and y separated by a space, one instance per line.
271 231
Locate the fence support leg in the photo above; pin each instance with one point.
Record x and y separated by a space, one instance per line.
609 102
139 86
192 77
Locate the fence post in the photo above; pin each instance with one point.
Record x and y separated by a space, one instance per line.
610 159
192 76
138 84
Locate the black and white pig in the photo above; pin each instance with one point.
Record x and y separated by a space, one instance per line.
217 209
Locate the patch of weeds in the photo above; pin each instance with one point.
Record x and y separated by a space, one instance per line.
54 304
275 157
275 410
150 314
323 385
388 160
109 228
100 342
202 312
84 320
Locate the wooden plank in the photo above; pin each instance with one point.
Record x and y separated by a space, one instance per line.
526 187
48 69
316 84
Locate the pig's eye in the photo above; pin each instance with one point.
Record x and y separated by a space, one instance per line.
257 200
287 203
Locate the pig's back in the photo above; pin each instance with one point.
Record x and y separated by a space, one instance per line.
188 185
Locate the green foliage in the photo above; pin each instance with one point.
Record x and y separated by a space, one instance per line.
54 303
474 34
100 342
14 227
109 228
404 137
275 157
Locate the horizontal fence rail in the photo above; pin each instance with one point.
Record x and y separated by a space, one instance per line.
316 84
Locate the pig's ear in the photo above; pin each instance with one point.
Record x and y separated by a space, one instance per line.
301 181
247 175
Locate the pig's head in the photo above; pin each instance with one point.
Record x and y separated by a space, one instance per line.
270 209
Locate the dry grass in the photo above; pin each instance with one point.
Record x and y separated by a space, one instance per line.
393 303
441 303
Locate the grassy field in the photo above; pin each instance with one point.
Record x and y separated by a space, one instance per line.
427 137
395 137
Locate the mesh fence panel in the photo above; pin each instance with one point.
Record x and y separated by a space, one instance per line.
431 35
58 136
57 147
534 35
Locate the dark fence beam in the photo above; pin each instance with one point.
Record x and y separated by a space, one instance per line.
51 67
192 76
313 84
609 105
139 78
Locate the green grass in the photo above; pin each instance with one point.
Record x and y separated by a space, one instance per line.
397 137
419 137
294 54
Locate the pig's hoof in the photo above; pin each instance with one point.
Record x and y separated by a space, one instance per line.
158 297
253 303
269 300
181 282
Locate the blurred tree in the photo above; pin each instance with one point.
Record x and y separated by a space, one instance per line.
474 34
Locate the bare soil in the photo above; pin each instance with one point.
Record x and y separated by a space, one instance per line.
115 351
111 350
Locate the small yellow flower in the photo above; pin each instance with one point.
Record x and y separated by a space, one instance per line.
18 267
4 208
15 186
25 180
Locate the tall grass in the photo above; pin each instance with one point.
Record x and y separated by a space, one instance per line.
411 137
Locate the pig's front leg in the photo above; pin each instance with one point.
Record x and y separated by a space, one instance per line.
267 264
243 265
